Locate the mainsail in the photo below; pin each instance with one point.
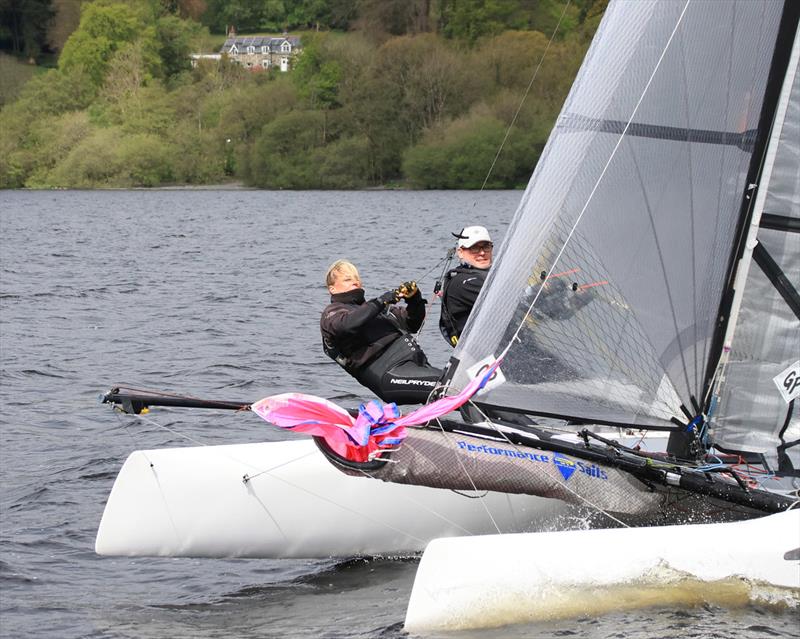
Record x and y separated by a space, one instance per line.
610 282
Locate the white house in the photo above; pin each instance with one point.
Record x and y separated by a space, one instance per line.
262 52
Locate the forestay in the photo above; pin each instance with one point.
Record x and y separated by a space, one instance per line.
624 235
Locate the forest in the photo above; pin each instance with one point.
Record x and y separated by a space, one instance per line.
436 94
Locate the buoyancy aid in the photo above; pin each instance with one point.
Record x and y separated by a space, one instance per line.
356 331
460 289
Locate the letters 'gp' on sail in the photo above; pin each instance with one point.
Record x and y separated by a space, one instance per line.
645 185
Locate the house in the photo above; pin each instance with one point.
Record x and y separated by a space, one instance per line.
262 52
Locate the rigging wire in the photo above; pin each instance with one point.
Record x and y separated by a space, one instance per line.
562 484
613 153
524 97
271 472
451 251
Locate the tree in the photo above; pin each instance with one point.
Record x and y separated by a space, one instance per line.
395 17
458 157
282 155
244 15
433 80
174 37
317 78
471 19
103 29
25 26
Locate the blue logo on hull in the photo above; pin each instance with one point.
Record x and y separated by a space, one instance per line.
565 465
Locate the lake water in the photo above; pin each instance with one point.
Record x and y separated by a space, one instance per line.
214 293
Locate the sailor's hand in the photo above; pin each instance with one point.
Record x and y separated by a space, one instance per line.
407 289
389 297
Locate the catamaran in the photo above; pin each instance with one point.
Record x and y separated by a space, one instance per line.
646 285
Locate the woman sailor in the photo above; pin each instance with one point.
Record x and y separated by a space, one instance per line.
372 339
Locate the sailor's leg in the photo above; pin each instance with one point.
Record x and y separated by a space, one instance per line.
409 383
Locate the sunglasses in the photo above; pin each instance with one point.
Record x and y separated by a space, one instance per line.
485 247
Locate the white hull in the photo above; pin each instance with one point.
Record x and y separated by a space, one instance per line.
194 502
502 579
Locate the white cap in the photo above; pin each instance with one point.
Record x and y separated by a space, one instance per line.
471 235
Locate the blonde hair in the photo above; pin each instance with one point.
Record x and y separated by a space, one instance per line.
340 266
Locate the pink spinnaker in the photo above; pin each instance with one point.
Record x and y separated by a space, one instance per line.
378 426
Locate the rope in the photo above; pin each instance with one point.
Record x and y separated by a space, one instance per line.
524 97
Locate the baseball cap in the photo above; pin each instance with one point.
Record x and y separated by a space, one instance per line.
471 235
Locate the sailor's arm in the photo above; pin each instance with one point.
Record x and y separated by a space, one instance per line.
339 321
415 311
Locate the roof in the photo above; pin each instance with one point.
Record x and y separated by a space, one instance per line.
272 42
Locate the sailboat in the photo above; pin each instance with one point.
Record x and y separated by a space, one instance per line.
647 284
649 280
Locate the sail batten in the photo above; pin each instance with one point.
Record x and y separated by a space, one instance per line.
607 288
741 139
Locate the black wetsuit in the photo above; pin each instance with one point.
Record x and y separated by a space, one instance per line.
459 292
373 344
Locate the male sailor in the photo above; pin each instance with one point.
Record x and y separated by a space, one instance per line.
463 283
371 339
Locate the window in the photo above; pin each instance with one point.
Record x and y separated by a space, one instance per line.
286 47
265 64
264 48
251 49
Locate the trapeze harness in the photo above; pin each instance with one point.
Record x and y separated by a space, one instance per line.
374 345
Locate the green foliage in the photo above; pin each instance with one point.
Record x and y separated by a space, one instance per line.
198 157
471 19
460 157
145 160
358 109
279 159
317 76
103 29
174 37
92 163
55 137
342 164
249 16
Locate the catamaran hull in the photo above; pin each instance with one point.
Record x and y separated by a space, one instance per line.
497 580
284 499
456 460
634 489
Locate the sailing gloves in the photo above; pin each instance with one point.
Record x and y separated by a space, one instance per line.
407 289
389 297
